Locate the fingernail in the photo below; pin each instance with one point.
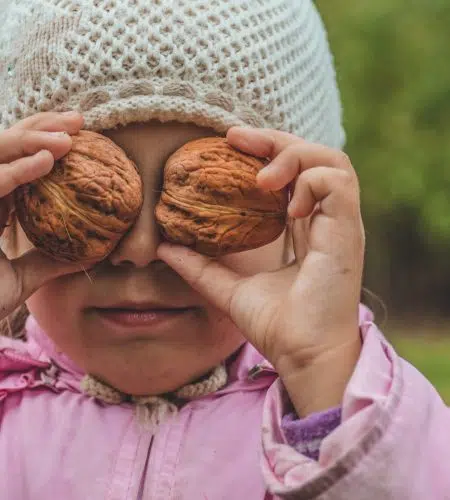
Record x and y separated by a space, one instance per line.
266 170
242 143
71 113
290 209
58 134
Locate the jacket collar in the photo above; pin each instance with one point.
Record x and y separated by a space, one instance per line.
247 369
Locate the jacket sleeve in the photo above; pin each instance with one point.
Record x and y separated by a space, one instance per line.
306 434
393 441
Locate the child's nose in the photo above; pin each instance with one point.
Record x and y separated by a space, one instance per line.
138 246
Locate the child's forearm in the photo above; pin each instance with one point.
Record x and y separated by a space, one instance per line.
320 384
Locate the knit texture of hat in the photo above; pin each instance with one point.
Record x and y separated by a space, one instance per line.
215 63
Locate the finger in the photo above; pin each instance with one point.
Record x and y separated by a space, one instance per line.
302 200
331 201
16 143
209 277
25 170
337 191
299 157
70 122
33 269
298 239
265 143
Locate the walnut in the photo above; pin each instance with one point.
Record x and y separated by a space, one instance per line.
210 200
83 207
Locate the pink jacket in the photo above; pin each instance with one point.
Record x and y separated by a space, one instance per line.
58 443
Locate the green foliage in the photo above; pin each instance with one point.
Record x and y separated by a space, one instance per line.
430 355
393 64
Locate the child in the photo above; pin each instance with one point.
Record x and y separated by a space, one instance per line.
170 375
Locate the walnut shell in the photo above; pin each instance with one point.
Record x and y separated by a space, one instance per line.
210 200
83 207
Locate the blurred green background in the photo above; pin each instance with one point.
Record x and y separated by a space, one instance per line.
393 63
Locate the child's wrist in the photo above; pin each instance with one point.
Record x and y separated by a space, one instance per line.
320 383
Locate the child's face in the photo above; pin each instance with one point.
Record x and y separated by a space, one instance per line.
152 357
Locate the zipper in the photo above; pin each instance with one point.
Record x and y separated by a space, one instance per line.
259 370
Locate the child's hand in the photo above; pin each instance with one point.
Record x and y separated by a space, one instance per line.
302 318
28 151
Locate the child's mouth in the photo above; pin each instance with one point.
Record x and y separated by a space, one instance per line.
123 317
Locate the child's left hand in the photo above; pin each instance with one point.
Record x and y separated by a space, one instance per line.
304 317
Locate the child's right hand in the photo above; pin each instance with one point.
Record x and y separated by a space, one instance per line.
302 317
28 151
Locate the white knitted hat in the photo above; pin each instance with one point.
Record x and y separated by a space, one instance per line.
215 63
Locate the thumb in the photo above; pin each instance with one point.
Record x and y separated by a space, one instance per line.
210 278
33 269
